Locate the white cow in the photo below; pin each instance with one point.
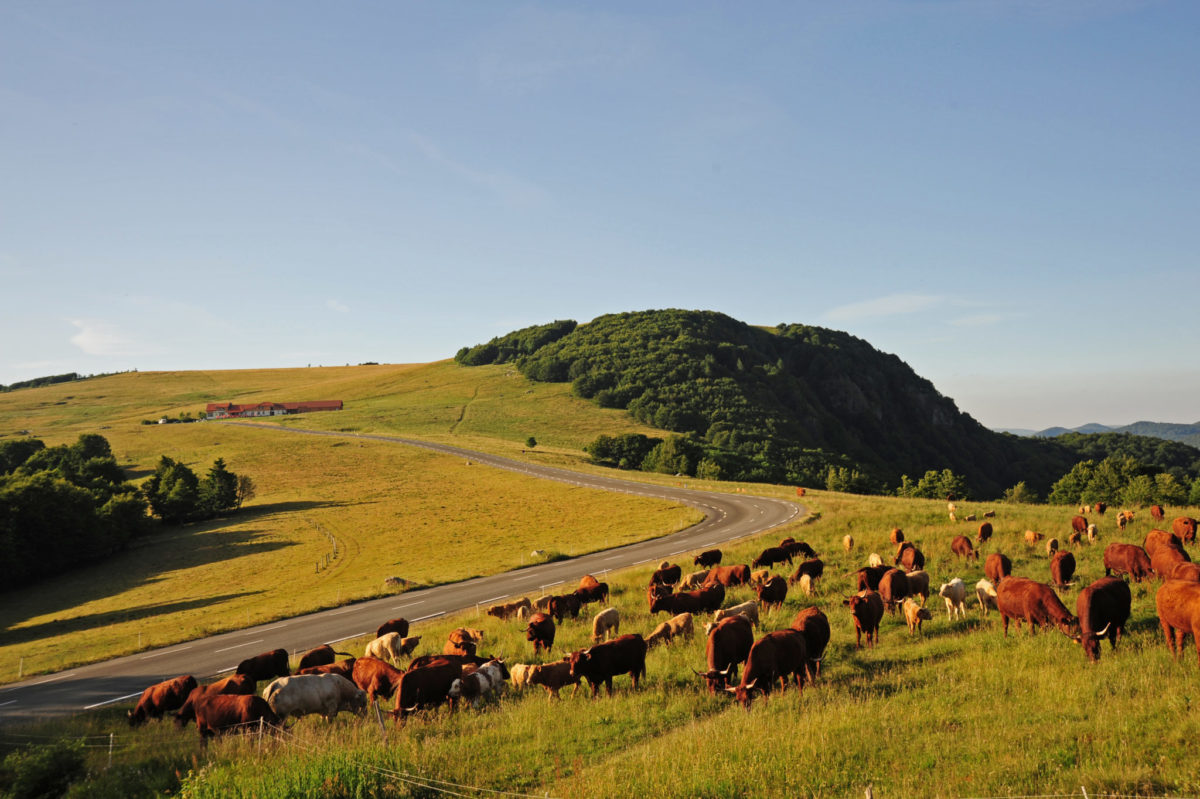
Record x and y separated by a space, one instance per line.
479 683
607 624
390 647
955 594
749 609
985 592
325 694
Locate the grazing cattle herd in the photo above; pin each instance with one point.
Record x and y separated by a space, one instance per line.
739 658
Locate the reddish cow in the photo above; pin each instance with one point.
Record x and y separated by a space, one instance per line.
1126 559
893 587
1178 605
266 666
221 712
730 576
703 600
654 591
774 657
867 578
1156 513
1186 571
424 687
909 557
1021 599
466 661
772 592
162 697
1099 508
1165 561
1062 568
897 535
1103 609
321 656
867 609
592 593
1079 524
1161 538
375 677
770 556
708 558
554 677
600 663
343 668
541 632
729 644
997 567
238 684
985 532
1185 528
961 546
563 605
814 626
393 626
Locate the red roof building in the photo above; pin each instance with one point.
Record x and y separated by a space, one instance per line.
229 410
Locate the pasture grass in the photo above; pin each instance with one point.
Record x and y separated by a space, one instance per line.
956 711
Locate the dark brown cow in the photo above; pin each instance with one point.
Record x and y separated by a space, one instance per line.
867 578
1126 559
1079 524
813 568
162 697
1103 609
600 663
654 591
425 687
896 536
961 546
541 632
729 644
592 593
465 661
1185 528
1161 538
729 576
814 626
217 713
1178 605
459 648
918 585
666 575
997 567
867 609
1062 568
266 666
703 600
708 558
985 532
393 626
237 685
794 548
1156 513
343 668
321 656
773 658
770 556
375 677
772 592
1021 599
563 605
893 587
909 557
1100 508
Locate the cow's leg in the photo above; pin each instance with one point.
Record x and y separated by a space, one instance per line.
1166 628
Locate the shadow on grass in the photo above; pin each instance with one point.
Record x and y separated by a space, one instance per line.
62 626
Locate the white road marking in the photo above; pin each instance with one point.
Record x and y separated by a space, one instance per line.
347 638
493 599
110 701
430 616
52 679
409 605
343 610
9 702
238 646
264 629
166 652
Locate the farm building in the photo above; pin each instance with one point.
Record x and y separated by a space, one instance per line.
228 410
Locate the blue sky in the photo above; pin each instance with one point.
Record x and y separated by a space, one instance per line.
1004 194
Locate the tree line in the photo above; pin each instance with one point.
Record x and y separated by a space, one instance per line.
71 504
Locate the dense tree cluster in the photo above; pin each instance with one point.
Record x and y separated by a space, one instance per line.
1123 480
176 494
61 506
37 382
794 403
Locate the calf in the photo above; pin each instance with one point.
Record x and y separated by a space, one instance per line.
813 568
962 547
867 609
1103 609
955 594
1032 538
914 614
874 561
520 674
606 624
600 663
391 647
693 580
553 677
161 698
847 543
507 610
985 592
477 685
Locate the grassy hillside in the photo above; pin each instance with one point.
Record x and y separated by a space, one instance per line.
956 711
393 510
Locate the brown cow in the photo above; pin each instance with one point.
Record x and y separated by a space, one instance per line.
770 556
1185 571
344 668
393 626
600 663
321 656
1021 599
814 626
540 631
867 578
1126 559
1156 513
375 677
985 532
1062 568
1103 609
1099 508
893 587
702 600
813 568
997 567
266 666
217 713
238 684
772 592
507 610
774 657
729 643
162 697
918 585
428 686
1079 524
1165 561
708 558
1185 528
666 574
562 605
910 558
591 593
1178 605
961 546
1159 538
1032 537
867 609
554 677
896 536
730 576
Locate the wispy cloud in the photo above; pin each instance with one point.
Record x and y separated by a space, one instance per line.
891 305
980 320
97 337
335 305
509 189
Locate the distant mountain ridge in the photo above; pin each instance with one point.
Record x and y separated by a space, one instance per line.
1183 433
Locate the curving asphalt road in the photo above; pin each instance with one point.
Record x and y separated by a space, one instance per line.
727 517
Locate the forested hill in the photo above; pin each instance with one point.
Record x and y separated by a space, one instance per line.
782 404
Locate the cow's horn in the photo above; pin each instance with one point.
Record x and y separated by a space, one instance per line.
730 690
1102 632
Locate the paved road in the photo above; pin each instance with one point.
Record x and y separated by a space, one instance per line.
727 517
